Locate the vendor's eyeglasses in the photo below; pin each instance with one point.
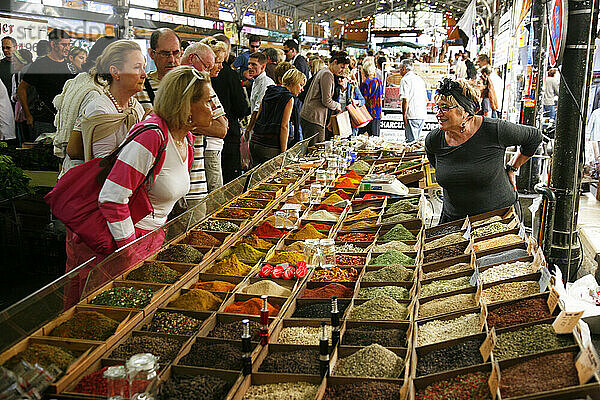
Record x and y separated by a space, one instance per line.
443 109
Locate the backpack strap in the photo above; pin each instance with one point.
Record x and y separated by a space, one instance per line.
149 90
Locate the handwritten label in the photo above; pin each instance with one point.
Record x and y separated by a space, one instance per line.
587 363
566 321
488 345
512 224
522 232
469 248
553 298
483 316
544 279
537 259
494 380
475 276
478 292
467 234
466 223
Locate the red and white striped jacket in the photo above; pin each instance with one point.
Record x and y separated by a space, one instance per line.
131 168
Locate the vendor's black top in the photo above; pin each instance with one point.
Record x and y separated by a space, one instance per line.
472 174
268 124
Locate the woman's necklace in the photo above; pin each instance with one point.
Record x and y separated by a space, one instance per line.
114 101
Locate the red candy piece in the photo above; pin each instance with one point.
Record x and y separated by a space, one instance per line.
289 273
266 270
301 272
277 272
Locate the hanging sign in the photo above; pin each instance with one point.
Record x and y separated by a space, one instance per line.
558 31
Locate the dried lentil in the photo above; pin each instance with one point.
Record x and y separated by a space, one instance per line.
530 340
381 308
510 291
390 273
367 335
463 354
372 361
526 310
199 387
154 272
391 257
161 347
173 323
440 330
282 391
395 292
128 297
306 335
180 253
444 286
214 355
445 305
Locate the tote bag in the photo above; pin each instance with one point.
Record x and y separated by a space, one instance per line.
74 199
359 116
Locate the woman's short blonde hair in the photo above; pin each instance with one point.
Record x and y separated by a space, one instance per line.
172 102
293 77
369 69
218 47
316 65
467 89
280 56
115 54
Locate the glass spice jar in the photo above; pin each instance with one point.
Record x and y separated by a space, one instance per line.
141 370
327 250
311 252
116 382
305 196
315 193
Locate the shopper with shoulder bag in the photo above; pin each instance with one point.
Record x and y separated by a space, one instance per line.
108 203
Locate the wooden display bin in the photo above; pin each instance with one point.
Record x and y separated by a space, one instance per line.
234 378
69 391
224 318
199 315
267 378
422 301
422 382
333 381
181 292
213 341
317 285
446 317
298 302
186 270
281 302
342 352
181 339
280 348
356 302
160 294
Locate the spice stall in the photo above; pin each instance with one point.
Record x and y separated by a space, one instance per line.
237 304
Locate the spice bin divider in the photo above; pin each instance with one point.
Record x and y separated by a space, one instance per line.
84 350
234 378
268 378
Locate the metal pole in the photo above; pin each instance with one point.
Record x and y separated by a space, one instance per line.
567 160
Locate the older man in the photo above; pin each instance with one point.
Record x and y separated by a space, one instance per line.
165 51
206 174
9 46
413 93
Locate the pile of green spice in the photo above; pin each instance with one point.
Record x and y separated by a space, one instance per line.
452 269
183 253
393 245
244 252
196 300
391 273
173 323
540 374
360 167
395 292
447 240
442 253
490 229
198 387
394 219
391 257
526 310
165 348
379 309
44 355
373 361
472 386
282 391
444 286
154 272
530 340
441 230
292 362
218 226
367 390
460 355
506 271
248 203
398 232
214 355
128 297
305 335
402 206
510 291
89 325
367 335
268 187
446 329
445 305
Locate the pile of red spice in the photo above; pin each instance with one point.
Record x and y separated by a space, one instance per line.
325 292
318 226
95 384
343 194
335 274
344 259
326 207
352 175
356 237
346 183
522 312
268 231
251 307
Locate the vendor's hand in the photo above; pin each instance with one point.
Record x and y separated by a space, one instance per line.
512 178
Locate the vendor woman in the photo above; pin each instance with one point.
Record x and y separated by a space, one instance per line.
468 153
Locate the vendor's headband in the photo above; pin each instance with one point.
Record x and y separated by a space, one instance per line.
448 87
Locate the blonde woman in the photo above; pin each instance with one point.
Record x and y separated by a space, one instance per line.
274 129
105 121
77 58
316 65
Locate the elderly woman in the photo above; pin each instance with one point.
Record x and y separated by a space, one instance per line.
151 169
467 152
372 90
274 129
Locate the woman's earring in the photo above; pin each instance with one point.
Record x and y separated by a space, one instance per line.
189 121
462 126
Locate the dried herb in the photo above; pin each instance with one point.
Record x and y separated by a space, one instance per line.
398 232
510 291
392 257
448 304
282 391
395 292
183 253
89 325
391 273
214 225
447 240
380 308
154 272
198 387
367 335
44 355
440 330
393 245
128 297
493 228
360 167
445 286
248 203
372 361
526 310
367 390
529 340
452 269
402 206
394 219
196 300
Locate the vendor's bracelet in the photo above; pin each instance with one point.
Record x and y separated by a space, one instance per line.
509 167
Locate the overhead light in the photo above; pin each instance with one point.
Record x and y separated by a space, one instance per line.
325 11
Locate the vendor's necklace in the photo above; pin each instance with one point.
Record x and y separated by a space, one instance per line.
114 101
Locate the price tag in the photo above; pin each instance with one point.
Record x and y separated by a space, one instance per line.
466 223
478 292
469 248
587 364
537 259
513 223
467 234
522 233
483 316
566 321
475 276
494 380
553 299
544 279
488 345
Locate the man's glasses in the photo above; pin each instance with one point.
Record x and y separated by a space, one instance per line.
167 54
442 108
285 51
255 46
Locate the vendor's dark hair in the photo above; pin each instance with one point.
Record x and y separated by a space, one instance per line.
291 44
341 57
